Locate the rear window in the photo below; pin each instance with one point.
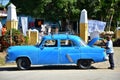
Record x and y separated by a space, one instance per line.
66 43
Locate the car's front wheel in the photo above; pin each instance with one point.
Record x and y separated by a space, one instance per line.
84 64
23 63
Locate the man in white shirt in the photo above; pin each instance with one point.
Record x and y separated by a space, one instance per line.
110 51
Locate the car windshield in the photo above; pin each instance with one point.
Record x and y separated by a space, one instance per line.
38 44
82 43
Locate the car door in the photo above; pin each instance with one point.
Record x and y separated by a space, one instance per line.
49 52
69 52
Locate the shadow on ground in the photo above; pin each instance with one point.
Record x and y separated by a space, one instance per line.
48 68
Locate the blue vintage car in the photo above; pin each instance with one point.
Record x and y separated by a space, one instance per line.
57 49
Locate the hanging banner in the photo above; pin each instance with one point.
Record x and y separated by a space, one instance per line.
24 23
95 25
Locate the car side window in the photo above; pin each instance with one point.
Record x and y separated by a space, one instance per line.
66 43
50 43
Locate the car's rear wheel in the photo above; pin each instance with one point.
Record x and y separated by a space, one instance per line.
84 64
23 63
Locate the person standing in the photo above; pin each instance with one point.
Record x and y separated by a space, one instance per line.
4 30
110 52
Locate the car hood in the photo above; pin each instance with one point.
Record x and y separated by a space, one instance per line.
93 41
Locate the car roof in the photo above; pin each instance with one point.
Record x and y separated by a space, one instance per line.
62 36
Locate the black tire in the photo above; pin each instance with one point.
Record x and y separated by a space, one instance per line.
84 64
23 63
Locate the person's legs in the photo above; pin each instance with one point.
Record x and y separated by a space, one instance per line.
111 61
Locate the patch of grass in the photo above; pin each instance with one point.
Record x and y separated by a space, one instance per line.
2 58
2 61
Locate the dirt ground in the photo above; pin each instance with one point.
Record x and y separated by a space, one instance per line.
97 65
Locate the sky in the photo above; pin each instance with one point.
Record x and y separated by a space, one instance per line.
4 2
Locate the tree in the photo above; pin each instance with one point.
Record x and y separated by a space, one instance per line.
30 7
109 10
1 7
54 10
48 9
59 9
90 5
104 10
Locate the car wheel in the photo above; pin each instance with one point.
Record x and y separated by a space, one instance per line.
23 63
84 64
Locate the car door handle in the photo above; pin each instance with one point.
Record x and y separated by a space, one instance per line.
55 48
77 48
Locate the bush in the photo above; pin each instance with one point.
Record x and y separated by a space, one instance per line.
13 37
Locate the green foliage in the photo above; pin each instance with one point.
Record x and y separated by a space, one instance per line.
104 10
14 32
55 10
49 9
2 61
16 36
